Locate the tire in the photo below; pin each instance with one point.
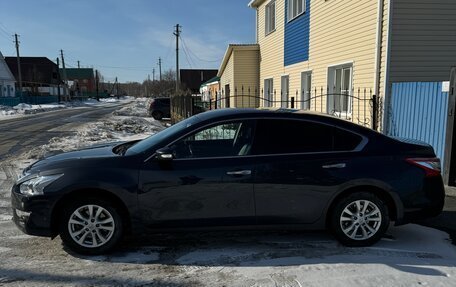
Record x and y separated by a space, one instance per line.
79 221
157 115
358 229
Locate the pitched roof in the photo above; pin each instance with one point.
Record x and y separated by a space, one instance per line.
78 73
5 73
35 69
255 3
193 78
229 51
211 80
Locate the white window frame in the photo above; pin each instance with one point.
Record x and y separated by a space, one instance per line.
332 70
270 17
293 9
268 97
306 93
284 91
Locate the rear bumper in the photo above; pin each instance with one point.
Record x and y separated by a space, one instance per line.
425 204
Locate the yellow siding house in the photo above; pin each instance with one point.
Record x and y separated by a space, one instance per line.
385 64
239 76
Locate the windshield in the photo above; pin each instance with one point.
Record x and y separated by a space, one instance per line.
157 138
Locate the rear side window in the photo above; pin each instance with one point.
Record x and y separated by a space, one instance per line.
294 136
345 140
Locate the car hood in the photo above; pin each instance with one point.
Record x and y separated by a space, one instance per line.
54 161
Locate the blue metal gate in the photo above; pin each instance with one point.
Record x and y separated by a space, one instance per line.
419 110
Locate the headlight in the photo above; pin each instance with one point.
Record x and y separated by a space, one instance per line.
36 185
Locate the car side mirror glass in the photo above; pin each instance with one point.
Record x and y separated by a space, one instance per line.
164 154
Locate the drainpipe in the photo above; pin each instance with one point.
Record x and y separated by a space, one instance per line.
387 84
378 47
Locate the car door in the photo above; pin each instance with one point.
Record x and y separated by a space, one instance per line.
298 169
207 183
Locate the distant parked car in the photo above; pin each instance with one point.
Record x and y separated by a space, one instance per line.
232 168
160 108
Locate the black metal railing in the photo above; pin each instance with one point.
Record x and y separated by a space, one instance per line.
359 106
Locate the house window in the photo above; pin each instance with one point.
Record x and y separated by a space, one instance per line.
306 90
340 80
295 8
270 17
268 92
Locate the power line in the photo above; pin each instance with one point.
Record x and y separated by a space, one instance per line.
187 56
3 28
170 48
198 58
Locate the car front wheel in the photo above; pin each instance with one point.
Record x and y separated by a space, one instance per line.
359 219
91 226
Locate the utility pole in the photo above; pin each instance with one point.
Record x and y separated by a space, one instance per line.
65 80
160 68
79 66
58 84
177 34
19 73
153 74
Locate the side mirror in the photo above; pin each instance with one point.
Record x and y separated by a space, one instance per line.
164 154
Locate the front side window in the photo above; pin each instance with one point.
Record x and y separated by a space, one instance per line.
295 8
270 17
222 140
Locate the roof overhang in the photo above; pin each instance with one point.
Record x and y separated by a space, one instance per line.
229 51
255 3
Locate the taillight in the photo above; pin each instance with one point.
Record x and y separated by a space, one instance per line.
431 166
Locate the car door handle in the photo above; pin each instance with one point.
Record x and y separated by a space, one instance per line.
336 165
239 172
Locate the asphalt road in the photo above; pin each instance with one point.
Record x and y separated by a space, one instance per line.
20 134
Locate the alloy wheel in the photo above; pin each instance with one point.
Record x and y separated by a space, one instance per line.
91 226
360 219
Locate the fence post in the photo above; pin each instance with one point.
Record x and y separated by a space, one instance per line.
193 106
292 102
374 112
210 103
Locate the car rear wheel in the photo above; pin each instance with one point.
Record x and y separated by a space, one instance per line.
157 115
360 219
91 226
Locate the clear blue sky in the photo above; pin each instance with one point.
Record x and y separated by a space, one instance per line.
129 34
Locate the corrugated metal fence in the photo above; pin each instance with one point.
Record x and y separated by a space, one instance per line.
419 110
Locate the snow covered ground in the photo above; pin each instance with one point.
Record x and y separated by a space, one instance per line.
410 255
27 109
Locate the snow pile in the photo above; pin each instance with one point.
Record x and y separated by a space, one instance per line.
139 108
27 109
7 111
114 128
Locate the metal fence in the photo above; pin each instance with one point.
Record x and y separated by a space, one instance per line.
359 105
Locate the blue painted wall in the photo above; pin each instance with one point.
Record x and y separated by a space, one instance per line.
297 37
419 111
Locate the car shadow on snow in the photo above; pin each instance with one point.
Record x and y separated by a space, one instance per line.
412 249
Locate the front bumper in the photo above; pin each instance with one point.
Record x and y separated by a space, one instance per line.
32 215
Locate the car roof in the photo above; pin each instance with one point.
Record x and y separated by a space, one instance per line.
283 113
